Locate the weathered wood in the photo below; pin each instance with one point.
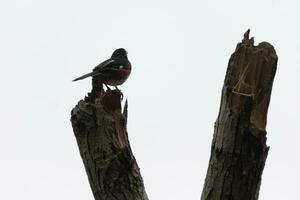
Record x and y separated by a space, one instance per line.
239 149
100 130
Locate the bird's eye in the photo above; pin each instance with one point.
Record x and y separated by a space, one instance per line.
121 67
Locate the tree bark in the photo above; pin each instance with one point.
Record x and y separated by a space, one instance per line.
239 150
100 130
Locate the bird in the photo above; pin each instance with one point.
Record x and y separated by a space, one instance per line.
113 71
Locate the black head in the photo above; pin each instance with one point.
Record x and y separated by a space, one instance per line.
120 53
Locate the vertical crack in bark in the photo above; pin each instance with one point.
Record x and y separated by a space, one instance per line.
239 149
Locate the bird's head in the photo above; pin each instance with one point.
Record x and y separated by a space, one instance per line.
119 53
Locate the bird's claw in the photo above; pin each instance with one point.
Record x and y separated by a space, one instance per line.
121 94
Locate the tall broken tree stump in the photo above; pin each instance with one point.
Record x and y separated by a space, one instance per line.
239 150
99 126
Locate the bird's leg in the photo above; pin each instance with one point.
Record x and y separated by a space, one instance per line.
119 92
107 88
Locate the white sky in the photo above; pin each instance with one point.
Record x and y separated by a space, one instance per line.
179 51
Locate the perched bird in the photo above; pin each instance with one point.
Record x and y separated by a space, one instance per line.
113 71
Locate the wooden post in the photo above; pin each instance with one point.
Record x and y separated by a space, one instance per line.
100 129
239 150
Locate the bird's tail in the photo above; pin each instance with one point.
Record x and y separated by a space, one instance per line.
86 75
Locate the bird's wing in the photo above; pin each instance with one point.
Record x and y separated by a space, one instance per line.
96 70
110 65
104 64
113 64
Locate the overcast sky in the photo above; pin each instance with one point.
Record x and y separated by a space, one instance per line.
179 51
